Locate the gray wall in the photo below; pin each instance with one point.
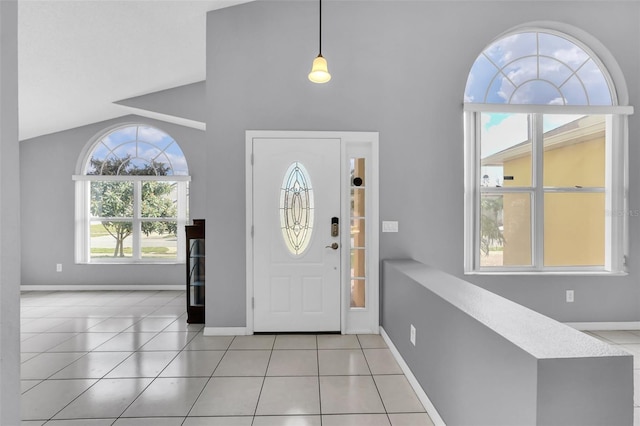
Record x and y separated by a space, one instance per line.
48 200
398 68
9 218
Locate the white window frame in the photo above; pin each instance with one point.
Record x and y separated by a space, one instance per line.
616 190
84 218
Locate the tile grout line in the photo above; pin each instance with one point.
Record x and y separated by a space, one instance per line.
210 377
191 336
319 385
374 381
97 380
264 378
153 379
103 377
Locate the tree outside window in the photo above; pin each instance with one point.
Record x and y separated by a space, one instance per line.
136 178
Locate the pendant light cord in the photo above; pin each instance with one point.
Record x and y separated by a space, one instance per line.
320 28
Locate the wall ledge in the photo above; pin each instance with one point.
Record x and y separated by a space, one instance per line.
605 326
538 335
486 360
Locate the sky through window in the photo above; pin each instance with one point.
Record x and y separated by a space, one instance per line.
537 68
142 145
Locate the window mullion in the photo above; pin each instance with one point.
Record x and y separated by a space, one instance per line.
474 183
136 223
537 228
181 219
83 222
615 199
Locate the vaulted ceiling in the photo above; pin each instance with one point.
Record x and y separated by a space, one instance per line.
78 57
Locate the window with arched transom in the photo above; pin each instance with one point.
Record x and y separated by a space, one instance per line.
131 198
545 141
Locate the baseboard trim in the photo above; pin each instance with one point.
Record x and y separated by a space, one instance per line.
125 287
603 326
422 396
225 331
361 331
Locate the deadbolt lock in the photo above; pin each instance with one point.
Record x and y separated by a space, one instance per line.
335 228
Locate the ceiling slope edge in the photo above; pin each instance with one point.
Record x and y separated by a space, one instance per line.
183 105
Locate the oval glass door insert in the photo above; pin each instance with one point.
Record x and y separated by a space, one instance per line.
296 208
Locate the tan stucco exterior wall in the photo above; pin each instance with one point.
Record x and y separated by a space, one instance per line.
574 223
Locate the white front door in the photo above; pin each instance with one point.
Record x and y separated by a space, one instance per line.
296 257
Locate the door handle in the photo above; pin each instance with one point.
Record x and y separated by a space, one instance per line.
333 246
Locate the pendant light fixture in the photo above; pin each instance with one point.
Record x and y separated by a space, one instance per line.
319 72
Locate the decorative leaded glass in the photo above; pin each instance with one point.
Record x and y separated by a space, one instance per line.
296 208
537 68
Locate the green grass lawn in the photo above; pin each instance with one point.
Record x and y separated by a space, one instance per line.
147 252
128 250
98 230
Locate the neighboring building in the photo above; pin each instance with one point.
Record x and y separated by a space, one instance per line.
574 156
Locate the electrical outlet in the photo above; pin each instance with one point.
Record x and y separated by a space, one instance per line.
413 335
58 267
570 296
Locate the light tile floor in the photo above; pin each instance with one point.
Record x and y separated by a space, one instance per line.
628 340
128 358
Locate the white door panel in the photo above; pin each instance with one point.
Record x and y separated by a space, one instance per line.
296 276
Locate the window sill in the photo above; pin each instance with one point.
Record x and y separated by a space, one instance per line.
550 273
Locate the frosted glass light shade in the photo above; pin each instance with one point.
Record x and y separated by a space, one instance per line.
319 72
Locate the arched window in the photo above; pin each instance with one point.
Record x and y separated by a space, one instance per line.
546 166
131 198
538 68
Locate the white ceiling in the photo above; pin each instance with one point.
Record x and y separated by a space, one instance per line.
76 57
